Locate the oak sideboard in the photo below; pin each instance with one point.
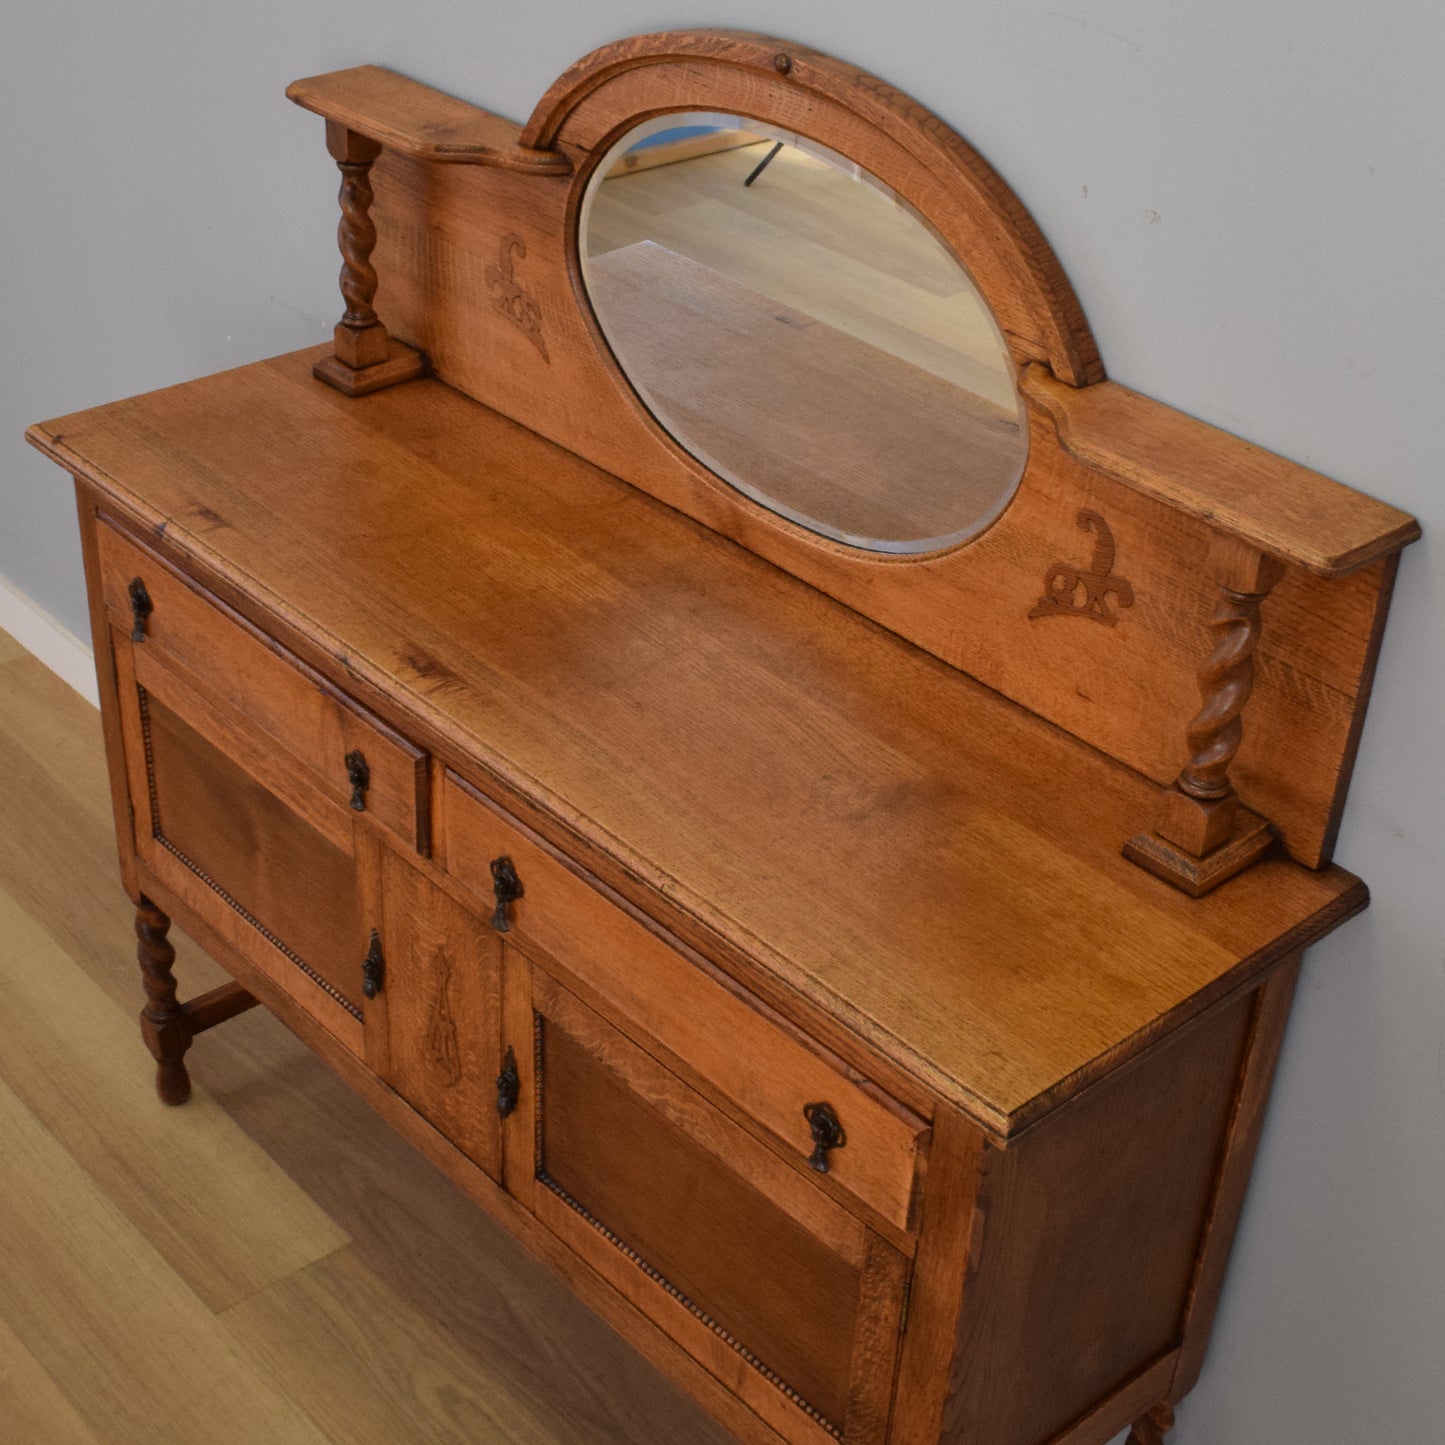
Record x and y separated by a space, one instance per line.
811 822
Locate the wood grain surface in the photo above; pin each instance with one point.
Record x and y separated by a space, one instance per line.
842 820
417 120
1276 505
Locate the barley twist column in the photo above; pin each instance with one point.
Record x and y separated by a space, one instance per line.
1225 683
1204 836
366 358
360 337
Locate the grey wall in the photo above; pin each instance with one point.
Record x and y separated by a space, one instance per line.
1248 197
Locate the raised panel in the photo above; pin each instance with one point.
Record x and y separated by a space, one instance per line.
780 1290
433 1031
266 864
228 828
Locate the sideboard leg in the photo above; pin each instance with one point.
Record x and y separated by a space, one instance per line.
1151 1429
163 1022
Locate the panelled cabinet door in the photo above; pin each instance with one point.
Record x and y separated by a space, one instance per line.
433 1024
262 855
778 1291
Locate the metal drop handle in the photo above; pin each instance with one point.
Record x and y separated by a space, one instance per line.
827 1132
506 888
141 607
509 1084
358 774
373 967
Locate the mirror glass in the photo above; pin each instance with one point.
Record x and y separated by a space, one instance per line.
801 331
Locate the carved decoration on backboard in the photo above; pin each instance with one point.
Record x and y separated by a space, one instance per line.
1071 591
509 297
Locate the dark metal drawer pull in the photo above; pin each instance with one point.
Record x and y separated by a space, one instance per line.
508 888
373 967
359 776
141 607
827 1134
509 1084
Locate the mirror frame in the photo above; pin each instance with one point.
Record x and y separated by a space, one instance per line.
978 217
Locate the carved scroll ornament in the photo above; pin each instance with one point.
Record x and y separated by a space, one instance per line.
1071 591
509 297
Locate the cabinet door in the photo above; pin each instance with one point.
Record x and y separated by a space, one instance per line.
783 1295
433 1029
244 838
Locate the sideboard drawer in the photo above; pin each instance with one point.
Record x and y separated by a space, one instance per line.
753 1062
221 658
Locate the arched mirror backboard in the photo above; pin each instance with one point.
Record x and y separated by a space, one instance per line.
1070 564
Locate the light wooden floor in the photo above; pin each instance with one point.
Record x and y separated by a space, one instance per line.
267 1264
809 236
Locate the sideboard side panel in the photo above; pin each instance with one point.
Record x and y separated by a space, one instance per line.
87 504
1090 1230
1256 1077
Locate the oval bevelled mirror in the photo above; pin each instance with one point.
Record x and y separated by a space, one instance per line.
801 331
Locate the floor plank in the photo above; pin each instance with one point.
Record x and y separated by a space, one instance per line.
31 1404
137 1354
74 1058
412 1381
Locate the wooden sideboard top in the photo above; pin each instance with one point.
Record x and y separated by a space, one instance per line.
926 860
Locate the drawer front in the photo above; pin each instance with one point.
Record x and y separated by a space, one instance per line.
773 1287
760 1068
226 663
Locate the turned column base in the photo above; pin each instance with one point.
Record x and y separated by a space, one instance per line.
1153 1427
403 363
1196 874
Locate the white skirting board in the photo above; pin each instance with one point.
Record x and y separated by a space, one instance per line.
56 646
